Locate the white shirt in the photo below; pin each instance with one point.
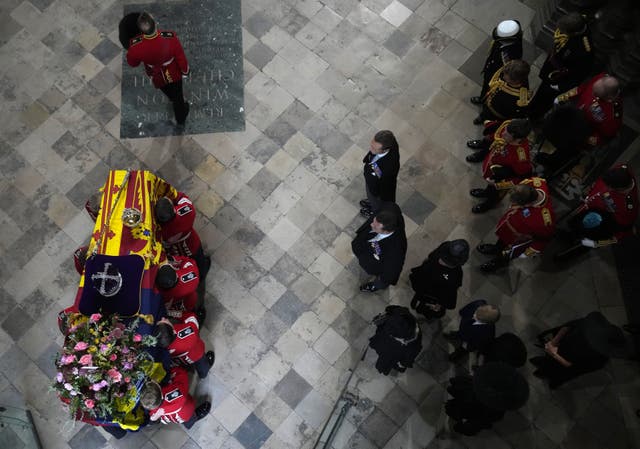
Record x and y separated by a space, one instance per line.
377 157
379 237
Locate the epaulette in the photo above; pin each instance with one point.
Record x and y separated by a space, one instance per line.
523 99
586 43
522 155
546 217
537 182
167 34
568 94
135 40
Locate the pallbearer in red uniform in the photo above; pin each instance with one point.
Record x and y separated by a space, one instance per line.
599 99
184 344
505 161
178 281
172 402
526 227
164 61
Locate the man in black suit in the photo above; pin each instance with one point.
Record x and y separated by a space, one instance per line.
381 165
380 246
476 330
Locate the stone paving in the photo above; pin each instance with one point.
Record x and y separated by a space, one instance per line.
278 205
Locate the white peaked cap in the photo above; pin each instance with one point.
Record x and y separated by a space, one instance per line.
508 28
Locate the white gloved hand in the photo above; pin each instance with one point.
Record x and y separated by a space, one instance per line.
555 87
556 101
523 256
588 243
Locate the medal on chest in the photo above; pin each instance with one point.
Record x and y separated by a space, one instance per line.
375 170
377 251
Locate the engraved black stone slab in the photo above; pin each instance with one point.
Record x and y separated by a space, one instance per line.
211 35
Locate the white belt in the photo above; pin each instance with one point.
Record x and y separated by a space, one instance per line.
164 64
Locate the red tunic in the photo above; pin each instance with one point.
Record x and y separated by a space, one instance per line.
604 117
162 55
183 296
178 406
178 236
188 347
528 229
622 205
514 156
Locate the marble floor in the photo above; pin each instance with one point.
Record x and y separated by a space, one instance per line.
278 205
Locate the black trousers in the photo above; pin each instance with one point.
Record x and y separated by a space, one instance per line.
542 100
117 431
180 107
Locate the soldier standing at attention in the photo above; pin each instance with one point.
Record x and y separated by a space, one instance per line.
568 64
505 46
164 61
381 166
508 93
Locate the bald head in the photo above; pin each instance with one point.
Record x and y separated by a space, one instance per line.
607 88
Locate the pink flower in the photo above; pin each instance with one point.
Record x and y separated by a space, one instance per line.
86 359
113 357
95 317
100 385
59 377
137 338
81 346
116 333
104 348
127 379
128 365
124 350
115 375
89 403
66 359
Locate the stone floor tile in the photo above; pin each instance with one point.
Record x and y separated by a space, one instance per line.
231 413
252 433
87 438
314 409
330 345
292 388
378 428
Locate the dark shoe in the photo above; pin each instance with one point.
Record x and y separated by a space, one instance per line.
480 208
491 266
451 336
478 120
477 144
478 193
488 249
201 315
367 213
203 410
365 204
368 287
457 354
475 157
476 100
211 357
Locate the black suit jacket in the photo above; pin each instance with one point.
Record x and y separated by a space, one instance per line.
476 336
393 250
382 184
